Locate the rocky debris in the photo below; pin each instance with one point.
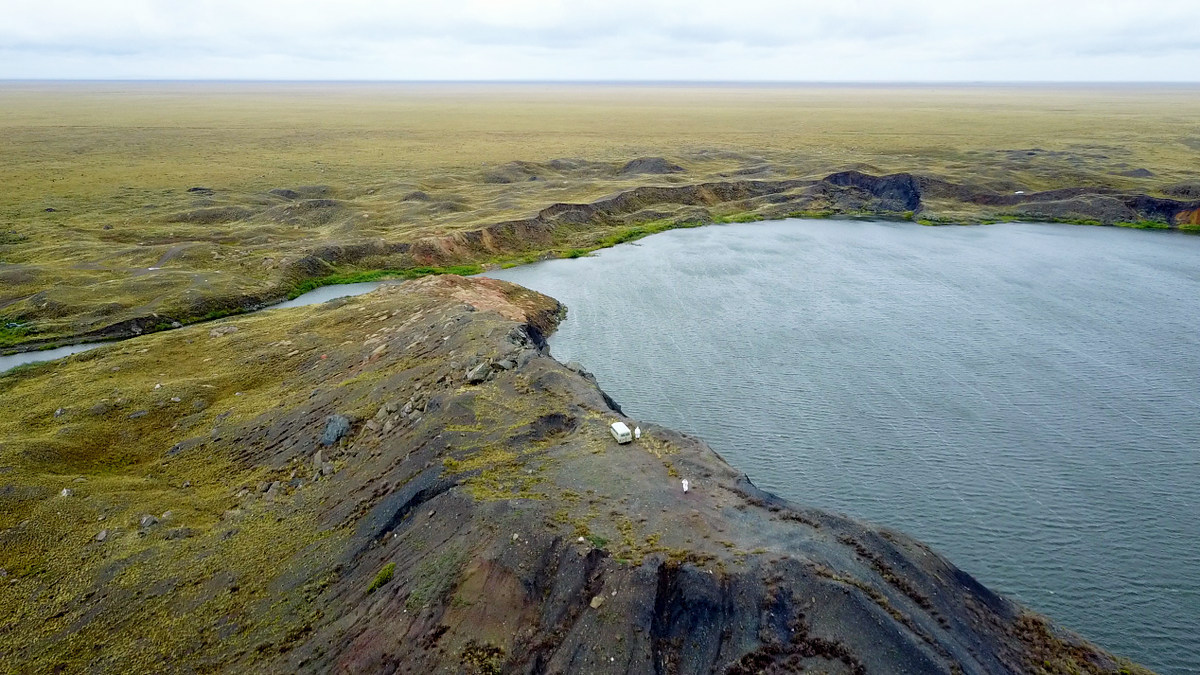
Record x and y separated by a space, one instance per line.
66 492
525 357
650 165
336 427
102 536
1187 190
147 521
222 331
479 373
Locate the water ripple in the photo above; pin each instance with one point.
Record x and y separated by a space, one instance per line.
1022 397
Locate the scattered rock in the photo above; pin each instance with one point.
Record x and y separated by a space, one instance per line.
66 492
148 521
102 536
327 469
179 533
101 408
372 425
597 601
479 373
317 460
222 330
176 324
506 364
139 414
336 427
59 412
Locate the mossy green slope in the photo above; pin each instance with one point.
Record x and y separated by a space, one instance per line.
406 480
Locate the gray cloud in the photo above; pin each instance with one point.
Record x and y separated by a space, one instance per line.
593 39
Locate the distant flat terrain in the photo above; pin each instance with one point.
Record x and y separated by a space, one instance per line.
130 206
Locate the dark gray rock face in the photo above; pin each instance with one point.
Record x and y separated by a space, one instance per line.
898 192
336 426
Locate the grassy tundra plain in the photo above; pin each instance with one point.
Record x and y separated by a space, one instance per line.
128 207
167 504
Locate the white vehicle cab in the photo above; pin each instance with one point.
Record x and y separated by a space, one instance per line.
621 432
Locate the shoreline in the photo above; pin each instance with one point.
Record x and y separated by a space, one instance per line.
849 195
470 508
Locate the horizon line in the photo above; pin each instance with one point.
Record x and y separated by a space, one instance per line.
645 82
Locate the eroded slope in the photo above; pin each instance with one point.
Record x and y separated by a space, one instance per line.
407 482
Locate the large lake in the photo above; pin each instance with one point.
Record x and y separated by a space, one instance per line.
1026 398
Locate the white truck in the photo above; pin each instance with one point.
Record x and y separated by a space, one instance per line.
621 432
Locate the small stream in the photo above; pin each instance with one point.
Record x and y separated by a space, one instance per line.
313 297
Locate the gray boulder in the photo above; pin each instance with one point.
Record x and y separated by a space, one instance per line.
336 427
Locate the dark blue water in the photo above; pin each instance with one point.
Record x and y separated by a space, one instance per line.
1026 398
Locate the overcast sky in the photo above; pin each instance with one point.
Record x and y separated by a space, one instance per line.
790 40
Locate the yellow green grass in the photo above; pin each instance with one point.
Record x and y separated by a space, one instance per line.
394 163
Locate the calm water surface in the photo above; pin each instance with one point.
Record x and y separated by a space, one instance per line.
1026 398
